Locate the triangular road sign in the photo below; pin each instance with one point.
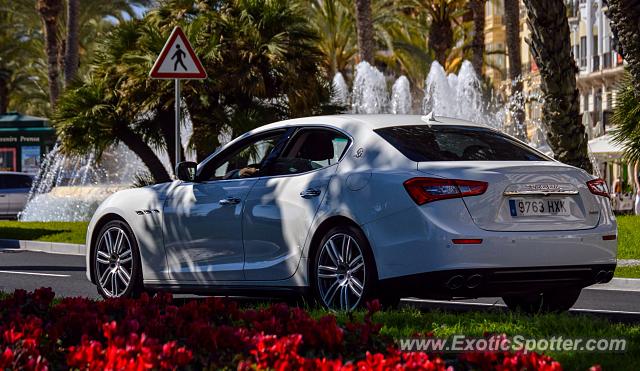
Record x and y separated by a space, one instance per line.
177 59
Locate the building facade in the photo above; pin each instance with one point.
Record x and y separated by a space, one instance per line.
601 67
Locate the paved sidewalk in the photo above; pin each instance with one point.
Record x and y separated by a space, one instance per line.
42 246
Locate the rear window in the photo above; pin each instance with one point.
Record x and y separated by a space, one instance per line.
456 143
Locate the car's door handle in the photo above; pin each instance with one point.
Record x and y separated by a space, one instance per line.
229 201
309 193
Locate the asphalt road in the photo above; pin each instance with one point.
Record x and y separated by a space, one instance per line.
65 275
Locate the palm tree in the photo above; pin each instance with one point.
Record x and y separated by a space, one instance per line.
551 47
476 7
626 119
49 10
512 23
19 54
364 26
334 24
625 17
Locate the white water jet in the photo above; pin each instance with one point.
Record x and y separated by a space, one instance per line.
369 94
401 96
340 94
468 99
439 96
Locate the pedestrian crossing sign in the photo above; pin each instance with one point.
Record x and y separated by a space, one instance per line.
177 59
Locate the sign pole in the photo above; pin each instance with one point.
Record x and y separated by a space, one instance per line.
177 61
177 109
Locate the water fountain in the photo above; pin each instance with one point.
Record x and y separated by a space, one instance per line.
70 188
445 94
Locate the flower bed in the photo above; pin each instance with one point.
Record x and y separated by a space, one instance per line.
155 333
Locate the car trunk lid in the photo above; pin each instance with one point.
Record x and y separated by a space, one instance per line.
524 195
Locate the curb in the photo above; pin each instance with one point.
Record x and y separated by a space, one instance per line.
618 284
43 246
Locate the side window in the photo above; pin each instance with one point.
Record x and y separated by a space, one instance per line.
246 161
308 150
16 181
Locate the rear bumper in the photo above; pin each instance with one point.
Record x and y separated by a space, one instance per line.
423 239
496 282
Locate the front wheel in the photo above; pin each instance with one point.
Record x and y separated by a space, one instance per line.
544 302
343 272
116 262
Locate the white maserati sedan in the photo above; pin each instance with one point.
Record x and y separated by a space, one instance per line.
344 209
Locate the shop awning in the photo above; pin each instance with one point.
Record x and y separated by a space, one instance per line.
17 120
603 146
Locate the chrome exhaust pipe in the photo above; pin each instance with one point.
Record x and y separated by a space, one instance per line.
455 282
474 281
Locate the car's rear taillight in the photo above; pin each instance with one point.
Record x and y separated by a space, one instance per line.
598 187
424 190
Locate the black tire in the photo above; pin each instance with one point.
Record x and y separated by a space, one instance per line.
347 277
545 302
117 262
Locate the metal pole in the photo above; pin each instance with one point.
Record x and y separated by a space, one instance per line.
177 109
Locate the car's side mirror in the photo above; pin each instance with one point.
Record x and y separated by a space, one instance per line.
186 171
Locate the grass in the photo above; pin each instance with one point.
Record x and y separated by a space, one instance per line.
69 232
628 237
628 272
408 322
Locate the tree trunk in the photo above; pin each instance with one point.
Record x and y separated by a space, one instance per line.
71 53
364 25
441 39
4 92
146 154
625 18
477 42
551 48
49 11
516 100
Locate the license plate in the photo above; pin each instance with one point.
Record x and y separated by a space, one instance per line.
538 207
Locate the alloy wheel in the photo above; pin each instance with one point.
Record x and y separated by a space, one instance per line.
341 272
114 262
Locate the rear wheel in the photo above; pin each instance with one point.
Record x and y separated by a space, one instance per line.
116 260
548 301
343 272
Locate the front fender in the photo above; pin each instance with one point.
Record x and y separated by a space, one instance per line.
142 210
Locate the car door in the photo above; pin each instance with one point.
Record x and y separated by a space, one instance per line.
282 204
4 198
18 192
203 219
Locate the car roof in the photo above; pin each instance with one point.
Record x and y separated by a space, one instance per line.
373 122
14 173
